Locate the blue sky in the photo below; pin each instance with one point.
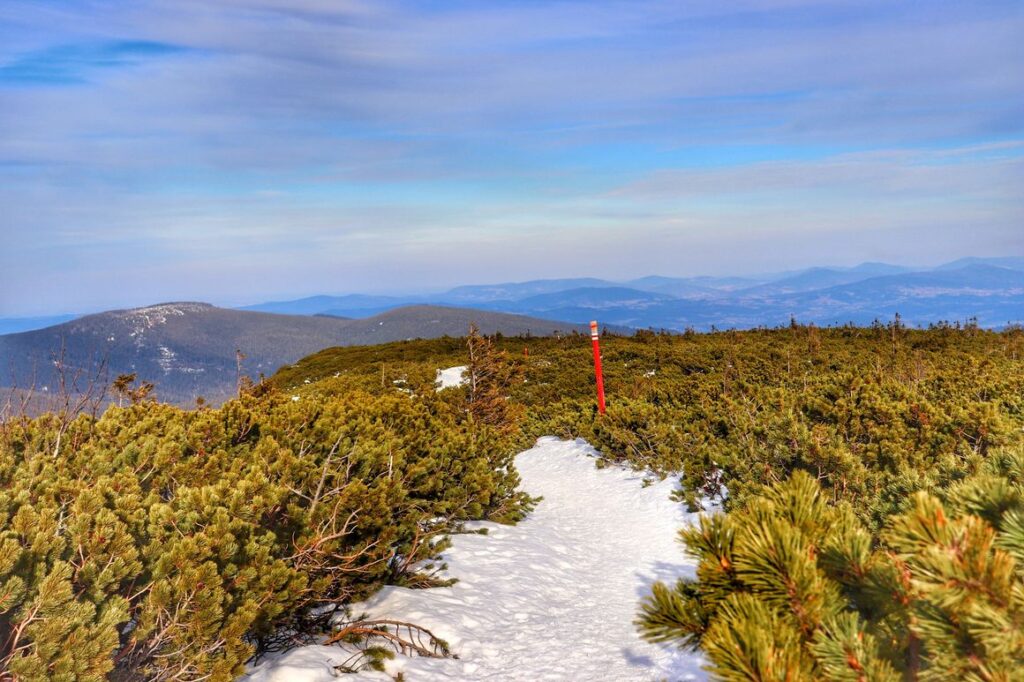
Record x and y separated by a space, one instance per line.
250 149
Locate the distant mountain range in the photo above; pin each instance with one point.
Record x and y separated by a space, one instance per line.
990 290
188 349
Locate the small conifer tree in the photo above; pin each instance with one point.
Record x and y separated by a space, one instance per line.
491 376
792 588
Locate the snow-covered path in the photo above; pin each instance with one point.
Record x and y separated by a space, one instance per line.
552 598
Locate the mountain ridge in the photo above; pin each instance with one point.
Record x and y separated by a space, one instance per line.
971 287
188 349
727 292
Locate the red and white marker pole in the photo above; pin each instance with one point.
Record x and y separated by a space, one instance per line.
595 340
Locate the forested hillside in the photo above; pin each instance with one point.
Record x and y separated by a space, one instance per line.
195 350
181 543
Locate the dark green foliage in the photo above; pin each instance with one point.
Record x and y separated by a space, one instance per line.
838 448
874 414
168 543
791 587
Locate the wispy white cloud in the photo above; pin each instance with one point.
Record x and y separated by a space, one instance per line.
342 139
989 172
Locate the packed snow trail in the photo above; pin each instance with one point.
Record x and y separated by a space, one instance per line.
552 598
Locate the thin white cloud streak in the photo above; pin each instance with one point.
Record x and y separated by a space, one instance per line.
508 68
756 216
307 138
991 173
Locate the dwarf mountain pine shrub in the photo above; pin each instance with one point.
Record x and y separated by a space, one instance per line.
168 544
837 447
791 587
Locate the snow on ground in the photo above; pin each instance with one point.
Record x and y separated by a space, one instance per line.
552 598
451 377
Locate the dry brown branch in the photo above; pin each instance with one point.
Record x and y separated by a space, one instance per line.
406 638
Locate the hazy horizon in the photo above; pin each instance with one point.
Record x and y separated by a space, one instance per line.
128 302
262 149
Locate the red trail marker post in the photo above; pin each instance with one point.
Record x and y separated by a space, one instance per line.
595 340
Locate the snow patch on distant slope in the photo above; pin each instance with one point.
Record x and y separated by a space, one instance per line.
142 319
150 316
552 598
451 377
166 360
